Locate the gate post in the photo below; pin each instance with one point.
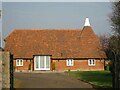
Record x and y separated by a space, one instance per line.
7 70
11 72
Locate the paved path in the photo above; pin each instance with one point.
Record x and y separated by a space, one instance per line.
48 80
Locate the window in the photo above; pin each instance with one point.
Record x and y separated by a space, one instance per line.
19 62
69 62
91 62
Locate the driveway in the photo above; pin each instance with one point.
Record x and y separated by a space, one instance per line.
48 80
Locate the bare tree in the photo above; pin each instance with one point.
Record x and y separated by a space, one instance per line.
115 44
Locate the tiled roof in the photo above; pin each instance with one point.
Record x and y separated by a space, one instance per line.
58 43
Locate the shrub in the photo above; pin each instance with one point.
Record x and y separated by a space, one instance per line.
53 66
29 67
14 68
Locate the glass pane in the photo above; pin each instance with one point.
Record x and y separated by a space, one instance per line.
71 62
90 61
17 62
41 61
93 62
47 62
37 61
20 62
68 62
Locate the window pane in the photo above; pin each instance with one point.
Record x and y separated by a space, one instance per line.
93 61
90 62
20 62
71 62
68 62
41 61
37 61
47 62
17 62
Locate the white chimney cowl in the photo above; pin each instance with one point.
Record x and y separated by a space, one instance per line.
87 23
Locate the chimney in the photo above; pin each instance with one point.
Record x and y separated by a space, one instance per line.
87 23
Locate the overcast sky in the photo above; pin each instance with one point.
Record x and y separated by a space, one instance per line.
57 0
55 15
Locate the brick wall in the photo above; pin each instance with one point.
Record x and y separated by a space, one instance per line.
60 65
78 65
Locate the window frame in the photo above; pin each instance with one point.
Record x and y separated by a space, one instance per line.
91 62
18 62
70 62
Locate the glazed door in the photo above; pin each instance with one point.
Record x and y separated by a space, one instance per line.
42 62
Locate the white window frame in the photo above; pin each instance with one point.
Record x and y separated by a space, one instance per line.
18 62
93 62
69 62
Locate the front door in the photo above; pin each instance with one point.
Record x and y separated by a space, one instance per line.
42 63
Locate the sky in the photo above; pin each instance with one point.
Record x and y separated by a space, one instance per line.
57 0
37 15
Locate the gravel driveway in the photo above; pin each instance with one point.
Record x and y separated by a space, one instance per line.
48 80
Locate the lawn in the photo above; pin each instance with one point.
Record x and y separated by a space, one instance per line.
97 78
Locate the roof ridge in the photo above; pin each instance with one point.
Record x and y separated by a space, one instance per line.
48 29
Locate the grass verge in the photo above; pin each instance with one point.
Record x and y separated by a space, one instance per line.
97 78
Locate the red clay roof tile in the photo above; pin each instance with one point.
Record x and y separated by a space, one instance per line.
58 43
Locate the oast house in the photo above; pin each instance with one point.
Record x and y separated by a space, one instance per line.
56 49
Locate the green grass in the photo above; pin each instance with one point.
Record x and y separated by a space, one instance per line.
98 78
